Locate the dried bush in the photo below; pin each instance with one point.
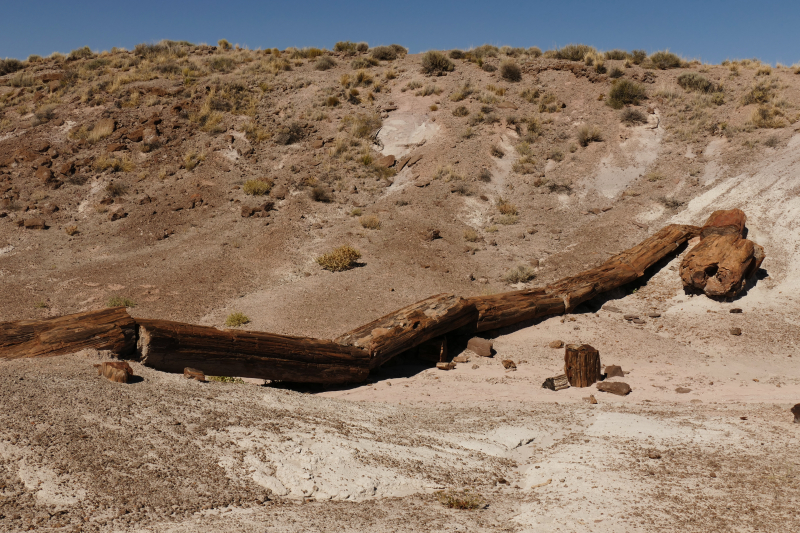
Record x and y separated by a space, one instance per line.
71 230
638 57
115 190
434 62
760 93
462 93
362 47
236 319
320 193
632 117
456 54
574 52
496 151
616 54
509 70
341 259
363 62
589 134
665 59
324 63
192 159
370 222
615 73
488 67
362 125
9 66
224 44
258 187
506 208
80 53
519 274
400 50
346 47
120 301
692 81
625 92
470 235
104 162
290 134
384 53
485 175
766 116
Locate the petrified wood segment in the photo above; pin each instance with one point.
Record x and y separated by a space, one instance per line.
410 326
108 329
173 346
581 365
117 371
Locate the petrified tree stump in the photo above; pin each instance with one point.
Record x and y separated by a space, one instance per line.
117 371
723 260
581 365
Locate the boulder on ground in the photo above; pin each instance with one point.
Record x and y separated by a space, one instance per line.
614 371
557 344
614 387
482 347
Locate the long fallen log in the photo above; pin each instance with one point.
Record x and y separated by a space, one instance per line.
173 346
563 296
410 326
108 329
722 262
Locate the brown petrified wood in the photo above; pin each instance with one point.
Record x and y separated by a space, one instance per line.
117 371
581 365
556 383
108 329
509 308
410 326
173 346
193 373
723 260
434 350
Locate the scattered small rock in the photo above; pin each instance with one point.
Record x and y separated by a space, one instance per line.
682 390
736 331
736 310
653 454
614 371
385 162
461 359
615 387
612 309
630 317
445 366
482 347
557 344
796 412
653 315
474 366
591 399
638 321
508 364
34 223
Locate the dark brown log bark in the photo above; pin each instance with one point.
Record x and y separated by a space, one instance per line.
581 365
725 222
556 383
172 346
108 329
410 326
509 308
721 264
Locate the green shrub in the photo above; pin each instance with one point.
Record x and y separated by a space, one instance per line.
574 52
7 66
434 62
324 63
638 57
665 59
345 46
120 301
257 187
589 134
384 53
692 81
340 259
236 319
509 70
616 54
625 92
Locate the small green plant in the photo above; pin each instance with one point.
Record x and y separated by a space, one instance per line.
258 187
519 274
434 62
370 222
120 301
465 500
625 92
615 73
588 134
236 319
341 259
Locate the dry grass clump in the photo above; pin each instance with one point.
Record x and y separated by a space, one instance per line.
320 193
761 93
71 230
324 63
519 274
116 190
588 134
80 53
573 52
384 53
121 164
346 47
224 44
625 92
434 62
192 159
766 116
462 93
289 134
361 125
370 222
616 54
496 151
364 62
341 259
766 70
447 173
506 208
509 70
632 117
120 301
9 66
456 54
465 499
616 73
236 319
258 187
470 235
692 81
99 131
664 60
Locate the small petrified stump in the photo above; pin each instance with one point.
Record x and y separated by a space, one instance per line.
556 383
614 387
508 364
193 373
796 412
614 371
117 371
581 365
482 347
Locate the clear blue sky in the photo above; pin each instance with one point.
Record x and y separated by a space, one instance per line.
710 30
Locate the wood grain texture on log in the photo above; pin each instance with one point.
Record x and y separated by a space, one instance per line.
117 371
556 383
721 264
724 222
563 296
172 346
410 326
108 329
581 365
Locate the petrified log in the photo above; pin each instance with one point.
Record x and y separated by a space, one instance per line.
581 365
796 412
434 350
172 346
410 326
721 264
556 383
614 387
724 222
563 296
193 373
108 329
614 371
117 371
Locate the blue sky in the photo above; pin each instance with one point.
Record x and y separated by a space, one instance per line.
710 30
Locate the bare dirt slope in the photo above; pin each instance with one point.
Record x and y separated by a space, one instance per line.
141 164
